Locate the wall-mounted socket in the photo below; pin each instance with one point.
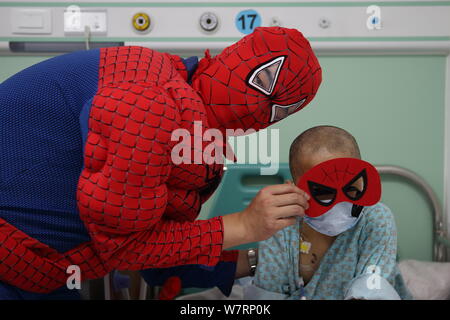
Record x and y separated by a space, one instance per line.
76 20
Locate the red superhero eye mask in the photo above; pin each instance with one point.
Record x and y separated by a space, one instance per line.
340 180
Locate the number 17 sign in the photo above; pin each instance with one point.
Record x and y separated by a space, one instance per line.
247 20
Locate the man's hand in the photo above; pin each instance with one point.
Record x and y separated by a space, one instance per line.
274 208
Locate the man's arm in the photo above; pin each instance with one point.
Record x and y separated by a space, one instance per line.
243 266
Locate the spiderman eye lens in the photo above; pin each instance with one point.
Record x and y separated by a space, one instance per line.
265 76
280 112
322 194
355 189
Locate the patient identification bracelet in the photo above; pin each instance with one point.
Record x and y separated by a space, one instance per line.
252 260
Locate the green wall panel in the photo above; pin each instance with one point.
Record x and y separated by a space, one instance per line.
9 65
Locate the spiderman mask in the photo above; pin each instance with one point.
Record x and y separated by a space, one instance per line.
263 78
339 190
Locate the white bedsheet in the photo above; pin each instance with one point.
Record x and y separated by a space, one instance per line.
427 280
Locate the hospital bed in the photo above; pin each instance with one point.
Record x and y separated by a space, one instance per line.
425 279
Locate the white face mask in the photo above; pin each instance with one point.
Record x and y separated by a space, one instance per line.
335 221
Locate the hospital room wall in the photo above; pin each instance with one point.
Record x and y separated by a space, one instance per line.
393 105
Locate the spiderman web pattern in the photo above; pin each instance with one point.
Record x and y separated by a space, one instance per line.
129 182
224 85
346 175
31 265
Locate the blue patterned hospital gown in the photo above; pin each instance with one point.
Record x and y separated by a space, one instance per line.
361 263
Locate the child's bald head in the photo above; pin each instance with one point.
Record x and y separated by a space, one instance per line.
320 144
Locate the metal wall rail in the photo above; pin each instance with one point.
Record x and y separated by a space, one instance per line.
440 240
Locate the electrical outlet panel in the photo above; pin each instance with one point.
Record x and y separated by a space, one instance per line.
75 21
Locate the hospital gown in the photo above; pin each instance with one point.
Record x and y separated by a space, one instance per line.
360 264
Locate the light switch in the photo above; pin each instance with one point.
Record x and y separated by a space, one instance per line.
31 21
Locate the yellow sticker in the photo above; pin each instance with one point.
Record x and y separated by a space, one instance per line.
305 246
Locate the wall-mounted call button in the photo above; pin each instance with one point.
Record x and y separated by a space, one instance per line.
209 21
275 22
324 23
141 21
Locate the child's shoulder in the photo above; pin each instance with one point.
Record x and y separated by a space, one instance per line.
379 209
378 216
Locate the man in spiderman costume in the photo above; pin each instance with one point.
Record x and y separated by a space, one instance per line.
86 176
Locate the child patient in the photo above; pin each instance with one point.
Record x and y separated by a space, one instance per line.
351 256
